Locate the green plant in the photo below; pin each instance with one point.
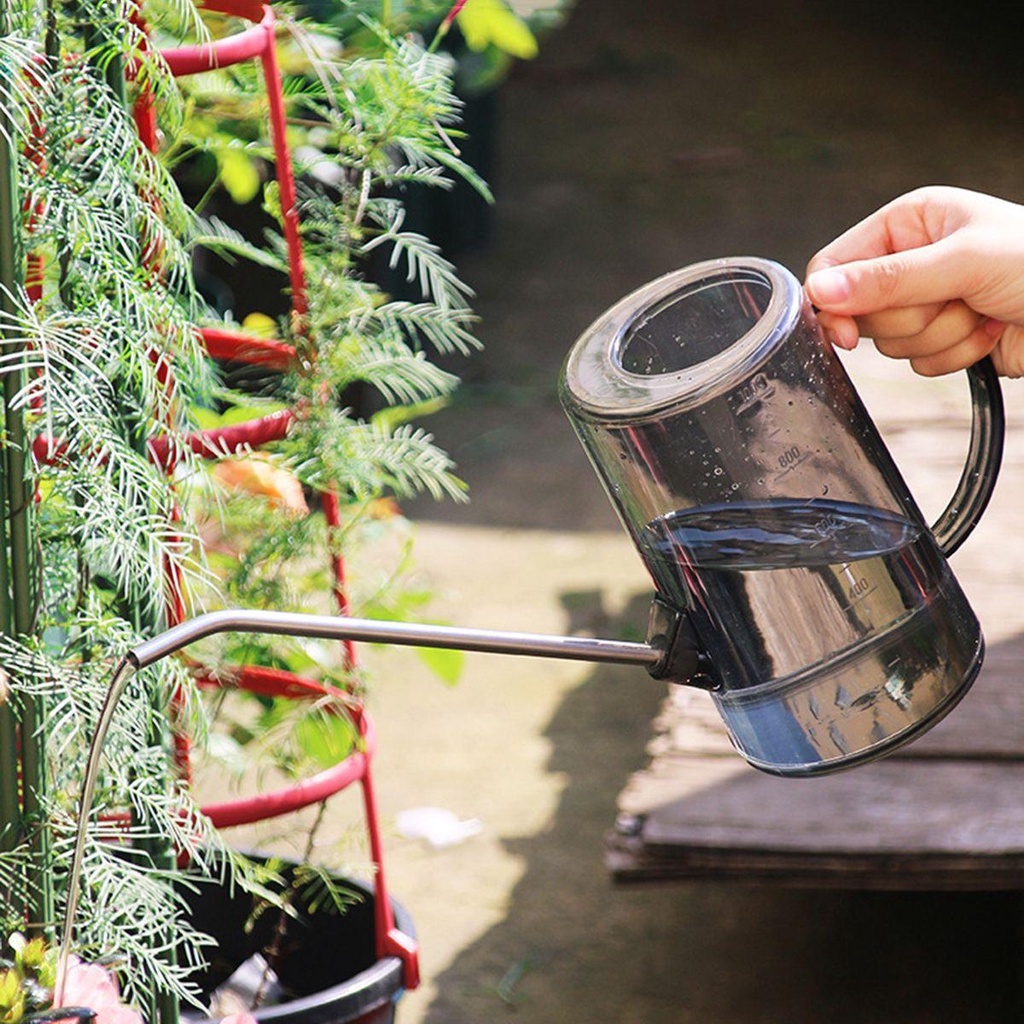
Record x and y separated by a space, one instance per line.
485 37
100 357
380 122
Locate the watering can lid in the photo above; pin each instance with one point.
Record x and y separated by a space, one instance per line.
596 384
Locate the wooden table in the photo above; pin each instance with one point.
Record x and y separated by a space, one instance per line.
945 812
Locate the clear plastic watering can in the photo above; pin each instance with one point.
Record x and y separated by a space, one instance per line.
771 516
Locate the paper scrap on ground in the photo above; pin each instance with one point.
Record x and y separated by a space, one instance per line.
436 826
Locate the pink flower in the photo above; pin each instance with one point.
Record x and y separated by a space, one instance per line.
238 1018
93 986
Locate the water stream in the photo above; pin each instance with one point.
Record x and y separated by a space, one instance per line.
118 684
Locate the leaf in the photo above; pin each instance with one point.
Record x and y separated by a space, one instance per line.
241 413
213 234
322 891
445 664
238 175
325 738
491 22
207 419
394 416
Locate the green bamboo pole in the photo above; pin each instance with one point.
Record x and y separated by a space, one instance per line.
18 508
23 613
10 223
10 805
10 770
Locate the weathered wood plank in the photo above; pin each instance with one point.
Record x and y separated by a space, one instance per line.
894 825
630 860
892 807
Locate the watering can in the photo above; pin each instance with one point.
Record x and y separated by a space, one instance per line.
794 576
771 515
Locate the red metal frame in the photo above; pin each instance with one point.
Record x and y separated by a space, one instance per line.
356 768
257 42
236 346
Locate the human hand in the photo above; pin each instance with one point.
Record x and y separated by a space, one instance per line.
936 277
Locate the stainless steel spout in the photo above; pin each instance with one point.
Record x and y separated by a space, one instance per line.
336 627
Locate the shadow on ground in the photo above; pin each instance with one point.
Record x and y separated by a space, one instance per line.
646 137
574 948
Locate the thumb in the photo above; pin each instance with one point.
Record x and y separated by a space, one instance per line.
910 278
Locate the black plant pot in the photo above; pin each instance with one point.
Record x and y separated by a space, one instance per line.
329 969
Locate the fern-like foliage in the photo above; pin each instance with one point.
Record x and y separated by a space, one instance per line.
369 123
102 336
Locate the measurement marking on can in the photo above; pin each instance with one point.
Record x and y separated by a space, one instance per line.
752 394
790 459
859 587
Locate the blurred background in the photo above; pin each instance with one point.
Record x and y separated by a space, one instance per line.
644 137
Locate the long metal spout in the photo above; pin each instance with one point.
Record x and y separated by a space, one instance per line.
337 627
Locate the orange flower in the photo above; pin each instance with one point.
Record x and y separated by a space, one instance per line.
256 474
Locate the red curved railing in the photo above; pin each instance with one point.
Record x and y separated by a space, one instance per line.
255 43
356 768
237 346
272 682
250 44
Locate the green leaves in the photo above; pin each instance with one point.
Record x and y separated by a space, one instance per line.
365 461
447 665
238 174
111 360
107 347
94 398
12 997
324 738
492 23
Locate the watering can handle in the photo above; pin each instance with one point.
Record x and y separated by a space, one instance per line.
988 425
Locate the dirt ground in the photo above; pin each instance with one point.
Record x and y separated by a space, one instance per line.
645 137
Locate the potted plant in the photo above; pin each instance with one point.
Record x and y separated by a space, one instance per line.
114 414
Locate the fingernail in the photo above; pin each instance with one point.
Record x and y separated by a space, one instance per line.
993 328
828 287
846 341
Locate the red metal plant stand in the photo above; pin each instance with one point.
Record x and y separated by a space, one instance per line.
257 42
